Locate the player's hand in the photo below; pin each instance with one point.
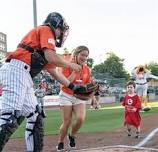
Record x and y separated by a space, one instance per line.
75 67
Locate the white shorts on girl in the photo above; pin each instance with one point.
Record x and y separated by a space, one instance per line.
69 100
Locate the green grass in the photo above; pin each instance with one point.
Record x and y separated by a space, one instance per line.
108 118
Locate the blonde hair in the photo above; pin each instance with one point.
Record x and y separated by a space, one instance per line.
80 49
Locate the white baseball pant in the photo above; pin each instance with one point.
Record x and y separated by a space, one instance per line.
18 94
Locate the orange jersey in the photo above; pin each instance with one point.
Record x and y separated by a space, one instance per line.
82 77
38 38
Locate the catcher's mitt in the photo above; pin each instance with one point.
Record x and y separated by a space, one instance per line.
86 91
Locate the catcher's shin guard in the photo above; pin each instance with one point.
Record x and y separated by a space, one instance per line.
36 133
11 123
43 113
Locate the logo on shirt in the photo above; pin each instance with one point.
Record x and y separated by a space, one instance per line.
129 101
51 41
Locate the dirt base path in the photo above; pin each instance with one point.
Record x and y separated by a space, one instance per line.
95 140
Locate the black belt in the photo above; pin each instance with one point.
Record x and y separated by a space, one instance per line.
26 47
141 83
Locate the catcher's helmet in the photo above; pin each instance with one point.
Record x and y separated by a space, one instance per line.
59 26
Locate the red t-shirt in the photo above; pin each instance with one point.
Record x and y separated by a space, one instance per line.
131 117
40 37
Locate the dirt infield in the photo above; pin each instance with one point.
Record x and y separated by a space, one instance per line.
91 142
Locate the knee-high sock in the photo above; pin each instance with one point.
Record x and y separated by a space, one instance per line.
145 101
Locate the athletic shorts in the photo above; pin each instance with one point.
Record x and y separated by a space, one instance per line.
69 100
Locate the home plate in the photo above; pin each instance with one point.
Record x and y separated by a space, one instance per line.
119 148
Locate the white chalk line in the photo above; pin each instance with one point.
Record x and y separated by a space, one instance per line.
117 146
138 146
143 142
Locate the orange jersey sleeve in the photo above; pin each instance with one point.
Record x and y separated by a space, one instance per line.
82 77
38 38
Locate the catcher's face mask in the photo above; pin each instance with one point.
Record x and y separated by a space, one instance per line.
59 26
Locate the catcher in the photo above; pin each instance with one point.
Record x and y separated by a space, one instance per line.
72 103
140 75
36 52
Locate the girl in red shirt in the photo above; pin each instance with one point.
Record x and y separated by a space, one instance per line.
132 105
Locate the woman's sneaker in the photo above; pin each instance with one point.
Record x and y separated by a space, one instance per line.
60 146
72 142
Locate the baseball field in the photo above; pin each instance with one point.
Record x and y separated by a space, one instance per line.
103 130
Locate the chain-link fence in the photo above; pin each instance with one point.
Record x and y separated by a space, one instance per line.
111 87
53 85
116 86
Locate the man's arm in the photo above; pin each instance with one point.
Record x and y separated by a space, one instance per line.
54 58
59 77
151 76
63 80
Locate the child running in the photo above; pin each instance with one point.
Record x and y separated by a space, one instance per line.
132 106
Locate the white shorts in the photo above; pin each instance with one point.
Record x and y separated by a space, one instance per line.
69 100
